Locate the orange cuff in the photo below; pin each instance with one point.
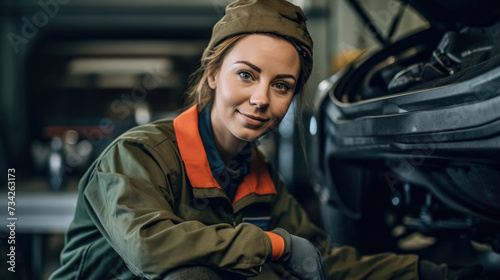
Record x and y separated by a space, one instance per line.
278 245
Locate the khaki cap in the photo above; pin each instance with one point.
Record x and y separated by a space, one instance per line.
265 16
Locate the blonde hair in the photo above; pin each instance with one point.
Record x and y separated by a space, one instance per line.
200 91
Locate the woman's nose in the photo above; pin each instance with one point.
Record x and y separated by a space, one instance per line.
260 97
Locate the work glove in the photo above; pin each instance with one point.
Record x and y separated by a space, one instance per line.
431 271
300 258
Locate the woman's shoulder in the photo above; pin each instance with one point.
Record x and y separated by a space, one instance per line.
156 139
152 134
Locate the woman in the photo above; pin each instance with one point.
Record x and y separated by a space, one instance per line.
193 198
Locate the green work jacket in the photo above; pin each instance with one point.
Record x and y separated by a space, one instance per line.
149 204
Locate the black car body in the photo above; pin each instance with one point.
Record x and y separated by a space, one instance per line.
423 158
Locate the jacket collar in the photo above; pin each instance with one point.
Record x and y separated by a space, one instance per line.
195 159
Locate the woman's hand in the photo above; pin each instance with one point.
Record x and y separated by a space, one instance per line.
300 258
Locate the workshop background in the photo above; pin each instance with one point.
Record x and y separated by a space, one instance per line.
75 74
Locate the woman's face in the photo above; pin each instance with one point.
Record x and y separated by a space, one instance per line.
254 87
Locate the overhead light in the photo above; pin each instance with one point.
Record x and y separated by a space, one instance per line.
131 66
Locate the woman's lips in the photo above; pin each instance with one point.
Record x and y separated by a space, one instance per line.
253 120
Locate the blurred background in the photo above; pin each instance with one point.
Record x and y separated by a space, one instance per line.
76 74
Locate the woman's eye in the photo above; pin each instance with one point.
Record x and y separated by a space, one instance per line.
282 86
245 75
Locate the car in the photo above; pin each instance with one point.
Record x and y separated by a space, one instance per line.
407 149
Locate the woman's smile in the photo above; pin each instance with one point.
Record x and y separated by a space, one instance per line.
253 120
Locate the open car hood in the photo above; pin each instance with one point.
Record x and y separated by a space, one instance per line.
453 15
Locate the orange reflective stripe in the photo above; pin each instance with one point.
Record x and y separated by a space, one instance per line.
198 170
257 181
192 150
277 245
